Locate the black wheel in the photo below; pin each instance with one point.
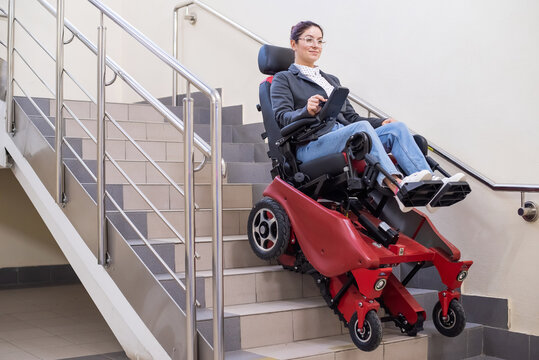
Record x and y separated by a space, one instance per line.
369 336
455 321
268 229
417 327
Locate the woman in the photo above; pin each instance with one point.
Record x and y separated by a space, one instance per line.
298 92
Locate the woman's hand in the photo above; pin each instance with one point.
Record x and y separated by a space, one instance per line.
313 104
388 121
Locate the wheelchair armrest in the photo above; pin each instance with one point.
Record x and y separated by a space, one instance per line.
297 125
422 144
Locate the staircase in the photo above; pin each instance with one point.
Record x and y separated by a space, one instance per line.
269 312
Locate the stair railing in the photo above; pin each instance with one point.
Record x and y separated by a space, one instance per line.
528 209
191 140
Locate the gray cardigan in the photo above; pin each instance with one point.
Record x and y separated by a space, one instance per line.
290 91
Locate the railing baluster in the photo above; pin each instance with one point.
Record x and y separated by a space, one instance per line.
175 54
9 96
190 270
60 196
217 243
101 220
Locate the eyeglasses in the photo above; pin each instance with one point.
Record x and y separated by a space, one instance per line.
312 41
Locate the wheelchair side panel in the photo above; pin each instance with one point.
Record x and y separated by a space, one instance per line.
323 234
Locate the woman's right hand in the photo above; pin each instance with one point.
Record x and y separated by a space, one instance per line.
313 104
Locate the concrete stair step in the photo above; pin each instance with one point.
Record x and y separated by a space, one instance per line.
166 197
157 150
249 172
339 347
145 112
259 284
236 254
140 172
234 222
248 133
276 325
468 344
274 322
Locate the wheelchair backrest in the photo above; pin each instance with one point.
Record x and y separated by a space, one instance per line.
271 60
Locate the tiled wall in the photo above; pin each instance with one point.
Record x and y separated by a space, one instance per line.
37 276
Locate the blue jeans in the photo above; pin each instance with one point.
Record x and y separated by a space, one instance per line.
393 137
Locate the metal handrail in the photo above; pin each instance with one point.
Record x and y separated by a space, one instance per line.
356 99
168 115
93 100
214 152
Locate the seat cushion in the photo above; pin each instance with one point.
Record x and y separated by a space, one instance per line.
330 164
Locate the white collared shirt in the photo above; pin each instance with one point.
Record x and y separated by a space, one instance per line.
313 73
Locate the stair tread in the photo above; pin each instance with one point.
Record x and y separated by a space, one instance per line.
314 347
198 239
264 307
180 210
237 271
276 306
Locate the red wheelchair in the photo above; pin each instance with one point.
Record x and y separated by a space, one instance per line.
329 218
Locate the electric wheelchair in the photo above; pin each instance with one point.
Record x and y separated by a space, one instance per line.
329 218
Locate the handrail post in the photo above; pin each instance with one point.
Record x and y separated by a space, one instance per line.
217 250
175 54
190 296
60 198
10 127
101 220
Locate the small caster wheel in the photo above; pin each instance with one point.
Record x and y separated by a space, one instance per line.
369 336
268 229
417 327
455 321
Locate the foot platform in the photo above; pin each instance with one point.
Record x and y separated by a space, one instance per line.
419 193
451 193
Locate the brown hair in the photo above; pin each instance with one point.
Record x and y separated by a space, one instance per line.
300 28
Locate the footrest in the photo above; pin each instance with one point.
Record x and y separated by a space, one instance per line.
419 193
451 193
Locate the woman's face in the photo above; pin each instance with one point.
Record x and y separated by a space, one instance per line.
307 49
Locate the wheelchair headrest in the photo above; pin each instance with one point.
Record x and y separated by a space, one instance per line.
272 59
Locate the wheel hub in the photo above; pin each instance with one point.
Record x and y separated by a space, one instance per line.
265 229
448 321
364 333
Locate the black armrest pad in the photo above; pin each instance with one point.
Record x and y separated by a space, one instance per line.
297 125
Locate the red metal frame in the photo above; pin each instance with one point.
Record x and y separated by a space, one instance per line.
399 301
335 244
352 300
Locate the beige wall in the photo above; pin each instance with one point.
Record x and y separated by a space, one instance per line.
24 238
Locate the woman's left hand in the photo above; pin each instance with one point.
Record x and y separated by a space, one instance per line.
388 121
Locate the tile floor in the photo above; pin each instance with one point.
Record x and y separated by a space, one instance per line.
55 322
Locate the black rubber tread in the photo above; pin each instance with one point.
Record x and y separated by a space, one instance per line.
373 322
283 229
457 316
323 285
417 327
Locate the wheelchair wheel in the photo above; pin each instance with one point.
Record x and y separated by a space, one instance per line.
268 229
455 321
369 336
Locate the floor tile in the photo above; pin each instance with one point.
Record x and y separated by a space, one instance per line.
41 342
18 355
53 323
103 347
54 353
14 325
35 315
23 334
88 337
6 348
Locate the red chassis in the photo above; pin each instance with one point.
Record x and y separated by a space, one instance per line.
339 250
